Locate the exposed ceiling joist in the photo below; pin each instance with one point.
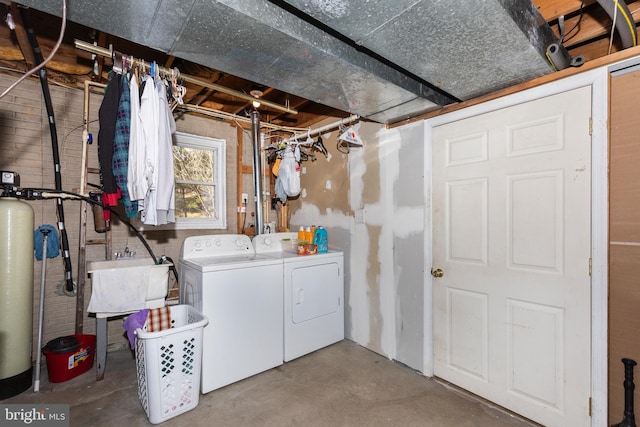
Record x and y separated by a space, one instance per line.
21 35
394 68
373 59
553 9
587 25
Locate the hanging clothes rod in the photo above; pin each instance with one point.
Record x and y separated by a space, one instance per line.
97 50
321 129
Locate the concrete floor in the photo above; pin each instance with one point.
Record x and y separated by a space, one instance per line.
341 385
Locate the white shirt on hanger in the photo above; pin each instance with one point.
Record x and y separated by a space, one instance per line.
135 170
165 192
149 112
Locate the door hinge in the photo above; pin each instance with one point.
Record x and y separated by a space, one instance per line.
590 266
589 406
590 126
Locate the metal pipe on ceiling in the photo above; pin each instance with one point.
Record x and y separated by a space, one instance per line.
257 170
97 50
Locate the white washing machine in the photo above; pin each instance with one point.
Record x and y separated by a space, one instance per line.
313 294
241 293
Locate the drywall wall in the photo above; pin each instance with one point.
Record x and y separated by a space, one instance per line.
379 224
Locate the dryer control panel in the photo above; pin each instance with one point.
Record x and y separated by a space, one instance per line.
275 242
216 245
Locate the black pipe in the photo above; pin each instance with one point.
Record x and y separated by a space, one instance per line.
66 256
28 192
36 193
128 224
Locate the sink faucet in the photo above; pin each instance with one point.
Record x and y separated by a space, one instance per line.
126 254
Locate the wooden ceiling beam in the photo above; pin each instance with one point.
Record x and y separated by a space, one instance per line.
21 36
199 96
282 116
553 9
594 49
169 62
312 121
593 25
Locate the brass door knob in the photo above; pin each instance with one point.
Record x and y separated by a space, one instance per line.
436 272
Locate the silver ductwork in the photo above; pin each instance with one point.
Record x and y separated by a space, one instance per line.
384 60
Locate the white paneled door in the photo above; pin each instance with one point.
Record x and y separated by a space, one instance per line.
511 230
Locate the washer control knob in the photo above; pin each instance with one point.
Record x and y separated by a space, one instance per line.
207 243
198 244
218 242
239 242
268 241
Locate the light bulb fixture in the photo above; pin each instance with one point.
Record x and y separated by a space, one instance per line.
256 93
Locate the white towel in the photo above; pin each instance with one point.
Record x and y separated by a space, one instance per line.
117 290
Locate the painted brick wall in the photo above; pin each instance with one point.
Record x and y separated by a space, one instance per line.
25 147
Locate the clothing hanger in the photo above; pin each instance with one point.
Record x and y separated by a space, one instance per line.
343 148
319 145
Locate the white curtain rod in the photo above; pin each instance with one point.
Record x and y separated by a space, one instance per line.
321 129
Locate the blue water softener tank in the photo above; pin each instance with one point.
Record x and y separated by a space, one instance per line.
321 239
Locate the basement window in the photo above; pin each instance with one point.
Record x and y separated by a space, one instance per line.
200 171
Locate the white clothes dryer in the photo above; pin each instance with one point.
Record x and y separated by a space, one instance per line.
313 294
241 294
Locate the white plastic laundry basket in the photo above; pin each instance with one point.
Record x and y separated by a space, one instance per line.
169 363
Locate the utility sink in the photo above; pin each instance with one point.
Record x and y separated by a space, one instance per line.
129 268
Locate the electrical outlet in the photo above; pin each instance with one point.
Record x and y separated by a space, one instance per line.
245 198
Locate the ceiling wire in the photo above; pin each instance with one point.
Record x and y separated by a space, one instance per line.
613 26
566 37
51 54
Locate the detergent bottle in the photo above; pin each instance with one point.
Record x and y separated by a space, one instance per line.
301 235
321 238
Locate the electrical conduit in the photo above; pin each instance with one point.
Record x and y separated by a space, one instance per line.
24 13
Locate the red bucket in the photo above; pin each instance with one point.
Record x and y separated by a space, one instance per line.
70 356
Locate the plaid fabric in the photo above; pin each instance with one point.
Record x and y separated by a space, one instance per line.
159 319
120 160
